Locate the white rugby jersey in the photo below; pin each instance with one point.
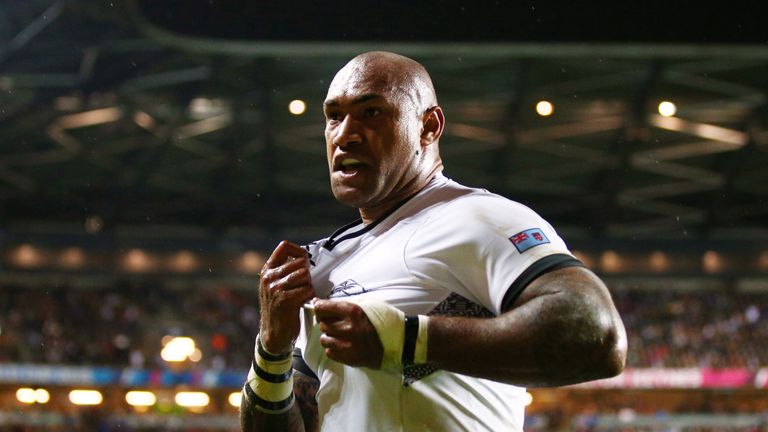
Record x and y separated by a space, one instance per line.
449 250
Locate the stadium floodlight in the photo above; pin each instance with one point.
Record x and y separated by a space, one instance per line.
192 399
140 398
667 109
545 108
26 395
178 349
235 398
297 107
528 398
42 396
85 397
251 262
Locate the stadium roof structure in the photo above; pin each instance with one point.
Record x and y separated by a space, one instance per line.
159 114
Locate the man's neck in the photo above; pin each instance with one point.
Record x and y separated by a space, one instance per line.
372 214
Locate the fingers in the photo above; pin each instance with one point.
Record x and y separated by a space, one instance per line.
283 252
290 275
330 310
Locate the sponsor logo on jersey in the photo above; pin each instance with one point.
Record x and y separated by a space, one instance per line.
529 238
347 288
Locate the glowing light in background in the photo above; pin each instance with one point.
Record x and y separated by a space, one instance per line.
667 109
85 397
42 396
235 399
251 262
659 261
192 399
26 395
178 349
137 260
545 108
528 398
297 107
610 261
72 258
184 261
140 398
27 255
712 262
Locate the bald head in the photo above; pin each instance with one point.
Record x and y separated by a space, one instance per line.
405 77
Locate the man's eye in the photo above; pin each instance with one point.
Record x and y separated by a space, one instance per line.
372 112
333 116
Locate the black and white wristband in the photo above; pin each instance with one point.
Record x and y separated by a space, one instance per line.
270 381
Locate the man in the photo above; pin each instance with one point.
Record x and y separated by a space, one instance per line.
438 307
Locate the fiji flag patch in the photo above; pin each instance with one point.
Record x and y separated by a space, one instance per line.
529 238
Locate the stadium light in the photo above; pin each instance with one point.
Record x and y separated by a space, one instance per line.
178 349
297 107
26 395
610 261
528 398
667 108
251 262
235 398
85 397
140 398
137 260
712 262
72 258
659 261
183 261
27 256
42 396
192 399
545 108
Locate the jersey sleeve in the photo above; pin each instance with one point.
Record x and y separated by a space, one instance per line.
485 248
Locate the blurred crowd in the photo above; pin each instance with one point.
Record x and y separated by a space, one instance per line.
124 325
702 329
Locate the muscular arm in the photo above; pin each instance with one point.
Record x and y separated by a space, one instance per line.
563 329
302 417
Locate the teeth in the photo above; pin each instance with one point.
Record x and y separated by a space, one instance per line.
349 161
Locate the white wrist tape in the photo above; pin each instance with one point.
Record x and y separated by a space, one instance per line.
420 354
390 326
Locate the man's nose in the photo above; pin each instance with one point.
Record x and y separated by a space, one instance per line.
347 133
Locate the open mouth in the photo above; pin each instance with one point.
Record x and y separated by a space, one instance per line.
349 165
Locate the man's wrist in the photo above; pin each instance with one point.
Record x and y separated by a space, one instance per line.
269 386
271 352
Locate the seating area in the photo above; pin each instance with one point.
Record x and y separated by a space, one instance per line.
123 325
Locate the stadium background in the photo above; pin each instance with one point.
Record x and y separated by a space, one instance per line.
149 161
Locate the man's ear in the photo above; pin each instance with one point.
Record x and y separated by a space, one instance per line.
434 122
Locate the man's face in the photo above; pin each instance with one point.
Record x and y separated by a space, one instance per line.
372 131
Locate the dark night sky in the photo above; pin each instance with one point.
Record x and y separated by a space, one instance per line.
510 21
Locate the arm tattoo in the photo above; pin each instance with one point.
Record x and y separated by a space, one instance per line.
305 389
301 417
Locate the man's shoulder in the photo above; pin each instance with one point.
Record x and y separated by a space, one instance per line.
470 202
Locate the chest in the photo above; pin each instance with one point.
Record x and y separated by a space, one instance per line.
374 265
